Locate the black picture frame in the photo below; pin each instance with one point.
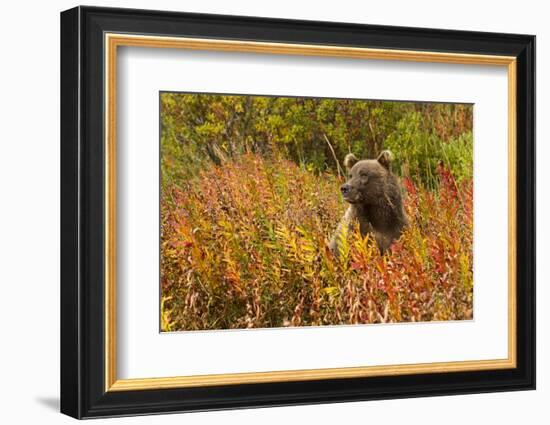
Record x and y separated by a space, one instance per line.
83 392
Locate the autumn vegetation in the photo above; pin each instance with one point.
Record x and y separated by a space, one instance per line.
250 197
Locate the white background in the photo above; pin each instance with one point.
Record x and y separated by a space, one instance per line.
145 72
29 229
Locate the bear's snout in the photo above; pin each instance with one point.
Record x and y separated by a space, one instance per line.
344 189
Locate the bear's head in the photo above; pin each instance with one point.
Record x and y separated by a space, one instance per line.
367 178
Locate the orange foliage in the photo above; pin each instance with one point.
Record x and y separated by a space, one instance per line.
245 245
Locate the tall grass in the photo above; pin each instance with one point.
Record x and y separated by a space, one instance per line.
244 245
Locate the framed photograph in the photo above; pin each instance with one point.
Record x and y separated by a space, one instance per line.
261 212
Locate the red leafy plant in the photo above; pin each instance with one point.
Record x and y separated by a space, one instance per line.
244 245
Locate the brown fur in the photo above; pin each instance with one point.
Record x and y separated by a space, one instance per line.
374 195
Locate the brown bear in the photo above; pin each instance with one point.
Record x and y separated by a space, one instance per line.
374 195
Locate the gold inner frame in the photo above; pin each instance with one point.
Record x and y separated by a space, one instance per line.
113 41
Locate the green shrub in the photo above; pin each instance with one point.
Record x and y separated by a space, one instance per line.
418 151
315 133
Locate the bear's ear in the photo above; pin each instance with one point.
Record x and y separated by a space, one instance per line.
385 158
349 161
